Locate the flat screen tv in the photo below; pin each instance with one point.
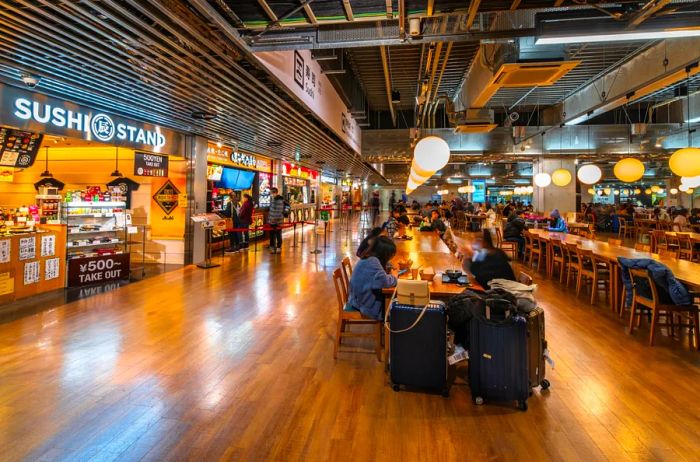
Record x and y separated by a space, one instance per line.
235 179
245 180
214 172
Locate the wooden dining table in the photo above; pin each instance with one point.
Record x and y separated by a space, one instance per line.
685 271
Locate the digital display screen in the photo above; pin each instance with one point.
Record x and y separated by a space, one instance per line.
214 172
235 179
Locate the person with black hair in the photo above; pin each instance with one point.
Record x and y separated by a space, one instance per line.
369 240
370 276
488 262
513 231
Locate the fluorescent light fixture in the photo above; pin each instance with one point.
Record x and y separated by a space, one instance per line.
693 120
577 120
618 36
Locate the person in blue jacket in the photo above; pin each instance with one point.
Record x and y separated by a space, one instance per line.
370 276
559 222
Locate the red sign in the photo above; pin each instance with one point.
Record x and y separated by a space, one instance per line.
299 171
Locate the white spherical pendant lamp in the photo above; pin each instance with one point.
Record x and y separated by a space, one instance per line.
412 185
589 174
685 162
542 180
431 154
692 182
673 191
561 177
629 170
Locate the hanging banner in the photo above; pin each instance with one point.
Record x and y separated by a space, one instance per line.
302 76
18 148
298 171
150 165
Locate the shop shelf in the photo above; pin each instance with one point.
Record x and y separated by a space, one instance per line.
70 247
74 205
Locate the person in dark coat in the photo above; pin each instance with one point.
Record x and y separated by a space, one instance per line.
513 231
245 216
488 262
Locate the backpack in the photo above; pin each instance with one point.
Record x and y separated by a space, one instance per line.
286 210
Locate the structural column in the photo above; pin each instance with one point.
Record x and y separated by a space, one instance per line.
554 197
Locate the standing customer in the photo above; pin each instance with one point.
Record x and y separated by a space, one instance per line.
276 218
245 216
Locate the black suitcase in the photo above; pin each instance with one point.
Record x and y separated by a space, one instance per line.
418 357
498 358
536 349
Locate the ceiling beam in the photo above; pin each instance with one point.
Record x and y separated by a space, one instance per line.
431 8
472 11
647 11
348 10
387 82
310 14
268 11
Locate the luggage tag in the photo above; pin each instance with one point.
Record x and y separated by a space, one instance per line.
459 355
548 358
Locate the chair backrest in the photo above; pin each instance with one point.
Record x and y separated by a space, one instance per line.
617 242
659 236
499 236
528 238
524 278
340 289
346 266
557 247
643 287
642 247
585 256
684 241
666 253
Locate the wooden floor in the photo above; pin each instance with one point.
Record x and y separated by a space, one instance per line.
235 363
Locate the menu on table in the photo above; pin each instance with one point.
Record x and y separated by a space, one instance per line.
18 148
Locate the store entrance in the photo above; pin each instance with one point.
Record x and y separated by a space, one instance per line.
87 213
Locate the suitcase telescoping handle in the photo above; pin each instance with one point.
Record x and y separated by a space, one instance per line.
498 310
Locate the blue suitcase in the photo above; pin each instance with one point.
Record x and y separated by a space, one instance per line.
418 357
498 358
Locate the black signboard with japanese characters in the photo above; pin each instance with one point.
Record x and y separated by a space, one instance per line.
18 148
146 164
166 197
94 270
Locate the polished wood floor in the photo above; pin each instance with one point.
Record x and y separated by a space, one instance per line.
235 363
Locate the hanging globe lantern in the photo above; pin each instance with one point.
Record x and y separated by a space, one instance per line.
589 174
616 192
543 180
685 162
673 191
683 187
561 177
655 189
637 191
591 191
629 170
647 191
690 191
530 189
692 182
431 154
411 184
418 178
607 191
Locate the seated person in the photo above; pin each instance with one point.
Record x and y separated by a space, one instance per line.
694 217
370 276
680 222
437 224
392 225
415 206
369 239
513 231
404 218
559 224
487 262
427 210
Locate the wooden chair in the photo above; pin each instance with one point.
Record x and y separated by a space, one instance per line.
666 253
686 248
645 297
591 271
625 229
642 247
659 240
346 266
539 247
524 278
557 257
527 259
348 318
507 246
617 242
573 265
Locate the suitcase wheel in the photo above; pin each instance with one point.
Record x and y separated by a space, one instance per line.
522 405
395 387
545 384
478 400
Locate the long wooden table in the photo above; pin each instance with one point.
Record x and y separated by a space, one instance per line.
685 271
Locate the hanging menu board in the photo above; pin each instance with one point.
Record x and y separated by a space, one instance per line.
18 148
150 165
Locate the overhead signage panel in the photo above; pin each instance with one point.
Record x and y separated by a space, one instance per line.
39 113
225 155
